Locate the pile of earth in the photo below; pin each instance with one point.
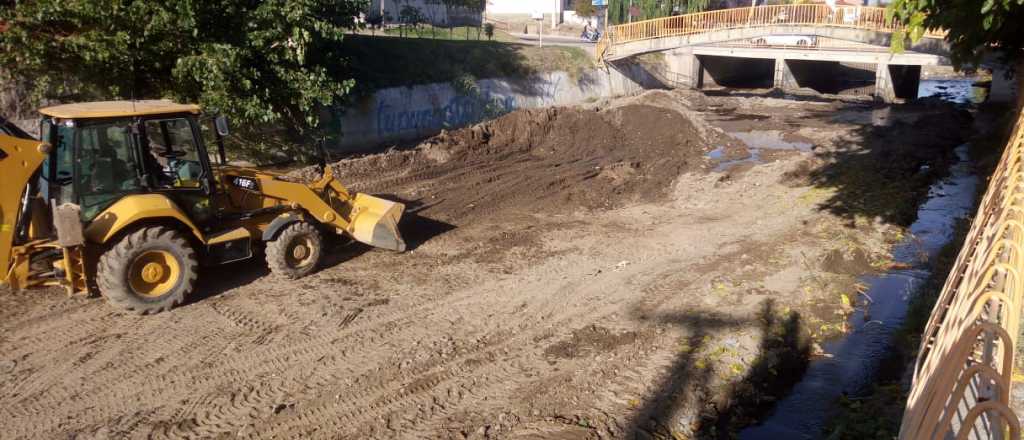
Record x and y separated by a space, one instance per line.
551 160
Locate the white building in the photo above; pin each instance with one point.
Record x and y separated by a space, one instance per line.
432 12
554 11
520 7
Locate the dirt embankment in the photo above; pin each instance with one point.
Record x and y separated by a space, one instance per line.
574 273
549 161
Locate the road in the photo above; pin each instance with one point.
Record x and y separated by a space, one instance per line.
557 40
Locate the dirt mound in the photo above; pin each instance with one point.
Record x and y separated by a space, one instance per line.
550 160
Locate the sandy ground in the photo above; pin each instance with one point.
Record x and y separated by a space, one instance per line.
604 279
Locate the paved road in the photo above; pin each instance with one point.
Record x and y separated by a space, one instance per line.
557 40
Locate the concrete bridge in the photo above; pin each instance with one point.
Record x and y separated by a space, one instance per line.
784 46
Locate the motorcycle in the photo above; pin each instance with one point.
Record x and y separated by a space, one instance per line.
590 36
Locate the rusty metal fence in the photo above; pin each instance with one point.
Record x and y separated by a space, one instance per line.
859 17
964 370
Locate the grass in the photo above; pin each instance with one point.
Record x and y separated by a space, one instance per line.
458 33
380 62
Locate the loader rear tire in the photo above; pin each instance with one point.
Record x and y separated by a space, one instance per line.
296 251
148 271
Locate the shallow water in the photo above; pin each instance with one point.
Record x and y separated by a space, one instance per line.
850 364
961 91
770 139
757 140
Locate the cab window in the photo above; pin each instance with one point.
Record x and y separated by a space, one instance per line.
209 134
172 154
106 165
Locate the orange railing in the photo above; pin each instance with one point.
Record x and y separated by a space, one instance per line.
860 17
964 369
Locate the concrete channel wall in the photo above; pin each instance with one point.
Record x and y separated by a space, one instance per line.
408 113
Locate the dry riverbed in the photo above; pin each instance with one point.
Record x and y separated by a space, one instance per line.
656 265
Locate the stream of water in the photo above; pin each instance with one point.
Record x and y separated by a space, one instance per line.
850 364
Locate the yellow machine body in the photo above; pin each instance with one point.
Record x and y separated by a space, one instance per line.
18 162
243 206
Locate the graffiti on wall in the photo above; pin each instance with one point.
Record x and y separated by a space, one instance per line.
459 111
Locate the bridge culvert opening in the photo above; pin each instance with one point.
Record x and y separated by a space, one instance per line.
738 73
832 77
906 80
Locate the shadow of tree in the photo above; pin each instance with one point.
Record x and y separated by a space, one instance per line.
782 357
884 170
378 62
654 418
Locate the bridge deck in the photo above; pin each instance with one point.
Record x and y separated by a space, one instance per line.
867 24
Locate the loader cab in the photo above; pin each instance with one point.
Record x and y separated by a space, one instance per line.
104 151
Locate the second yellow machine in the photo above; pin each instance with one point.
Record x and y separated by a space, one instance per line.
126 194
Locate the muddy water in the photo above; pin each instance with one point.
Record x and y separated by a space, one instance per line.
850 364
757 141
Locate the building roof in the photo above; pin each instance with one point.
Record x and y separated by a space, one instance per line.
113 109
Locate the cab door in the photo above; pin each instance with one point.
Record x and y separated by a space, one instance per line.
177 164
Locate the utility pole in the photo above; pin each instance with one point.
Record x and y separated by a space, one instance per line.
605 30
557 14
538 16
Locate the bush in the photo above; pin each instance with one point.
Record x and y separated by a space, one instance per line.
584 8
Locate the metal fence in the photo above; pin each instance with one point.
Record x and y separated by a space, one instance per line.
964 370
859 17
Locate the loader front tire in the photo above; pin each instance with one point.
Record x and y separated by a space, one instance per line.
296 251
148 271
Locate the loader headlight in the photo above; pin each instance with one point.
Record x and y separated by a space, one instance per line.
245 183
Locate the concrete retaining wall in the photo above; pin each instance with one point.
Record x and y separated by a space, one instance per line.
1007 90
408 113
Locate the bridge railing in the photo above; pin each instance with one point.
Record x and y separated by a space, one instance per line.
964 370
860 17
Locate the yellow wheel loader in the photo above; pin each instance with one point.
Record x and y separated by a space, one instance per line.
124 197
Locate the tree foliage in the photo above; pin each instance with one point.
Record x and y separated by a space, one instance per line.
972 25
584 8
618 10
260 62
410 16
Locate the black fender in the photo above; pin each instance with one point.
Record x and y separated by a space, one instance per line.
280 223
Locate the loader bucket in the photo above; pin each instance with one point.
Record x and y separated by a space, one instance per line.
376 222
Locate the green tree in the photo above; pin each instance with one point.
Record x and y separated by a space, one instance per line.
584 8
972 25
477 8
274 62
432 17
411 18
449 5
618 10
